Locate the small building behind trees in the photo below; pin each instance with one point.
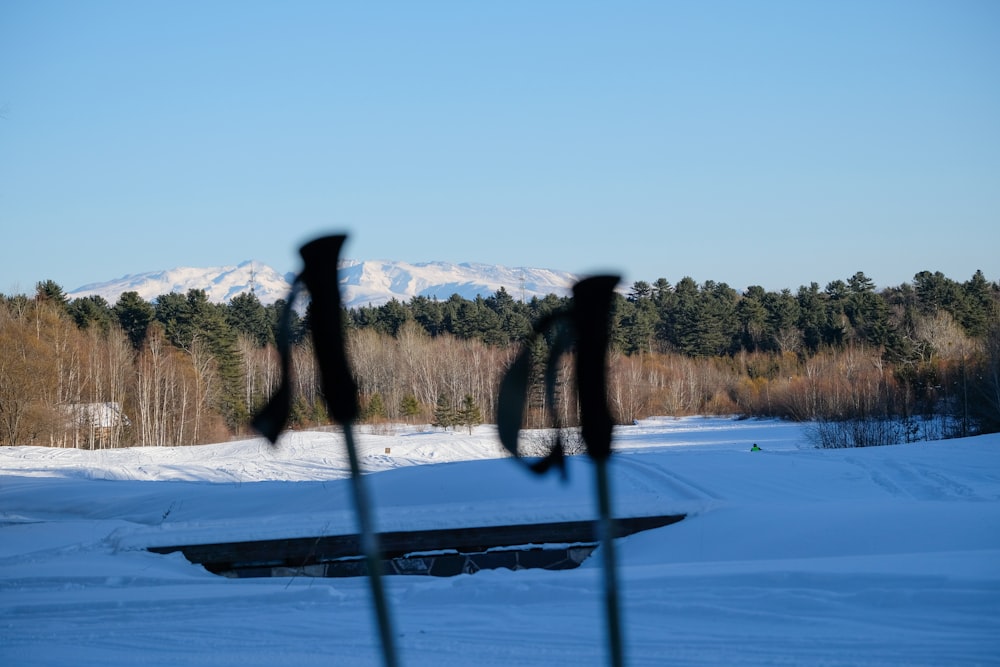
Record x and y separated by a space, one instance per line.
94 425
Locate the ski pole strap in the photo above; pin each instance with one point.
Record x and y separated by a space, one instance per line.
270 421
585 323
513 393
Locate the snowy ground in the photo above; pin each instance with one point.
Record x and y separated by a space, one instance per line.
790 556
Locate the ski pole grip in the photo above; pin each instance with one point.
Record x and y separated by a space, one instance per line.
321 257
591 313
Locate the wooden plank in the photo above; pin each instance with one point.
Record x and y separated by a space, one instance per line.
303 551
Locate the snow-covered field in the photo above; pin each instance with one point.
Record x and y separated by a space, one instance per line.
789 556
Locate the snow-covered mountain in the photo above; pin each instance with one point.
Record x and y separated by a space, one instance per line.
362 282
221 283
376 282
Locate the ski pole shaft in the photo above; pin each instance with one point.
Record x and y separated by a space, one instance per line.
605 530
370 550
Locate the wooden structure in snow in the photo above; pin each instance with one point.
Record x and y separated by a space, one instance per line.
440 552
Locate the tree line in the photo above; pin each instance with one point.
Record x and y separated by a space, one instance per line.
182 370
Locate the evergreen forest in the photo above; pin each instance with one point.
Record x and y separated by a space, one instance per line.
924 356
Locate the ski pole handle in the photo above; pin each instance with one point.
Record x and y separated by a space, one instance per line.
321 257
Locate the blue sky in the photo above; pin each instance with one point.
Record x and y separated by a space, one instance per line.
768 143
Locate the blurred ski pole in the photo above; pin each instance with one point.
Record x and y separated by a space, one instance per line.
591 311
340 393
586 325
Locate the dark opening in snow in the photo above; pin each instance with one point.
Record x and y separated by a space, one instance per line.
444 552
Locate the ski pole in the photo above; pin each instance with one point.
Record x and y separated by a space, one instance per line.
589 316
340 392
591 309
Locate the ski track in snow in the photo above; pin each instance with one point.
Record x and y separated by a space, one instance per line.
654 477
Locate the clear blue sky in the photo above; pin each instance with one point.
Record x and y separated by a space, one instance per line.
770 143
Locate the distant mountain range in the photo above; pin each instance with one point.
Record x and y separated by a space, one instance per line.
362 283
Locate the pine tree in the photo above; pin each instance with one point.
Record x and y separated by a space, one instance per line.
444 412
428 313
981 306
390 317
782 320
186 318
51 291
752 318
171 311
409 407
866 311
134 316
812 315
375 408
246 315
469 415
634 329
91 311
